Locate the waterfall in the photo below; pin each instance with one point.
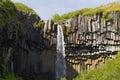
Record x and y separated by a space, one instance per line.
60 57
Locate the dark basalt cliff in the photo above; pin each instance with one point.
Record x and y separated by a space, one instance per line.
22 45
27 55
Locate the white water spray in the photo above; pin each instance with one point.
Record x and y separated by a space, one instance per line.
60 57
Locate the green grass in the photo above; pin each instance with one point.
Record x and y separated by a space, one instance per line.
24 8
10 76
58 18
9 12
104 9
108 71
37 24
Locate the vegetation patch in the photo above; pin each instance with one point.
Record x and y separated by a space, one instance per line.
109 71
24 8
37 24
5 74
7 12
105 10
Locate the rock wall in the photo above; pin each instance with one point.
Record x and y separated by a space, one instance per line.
89 41
23 48
33 54
95 31
50 32
89 31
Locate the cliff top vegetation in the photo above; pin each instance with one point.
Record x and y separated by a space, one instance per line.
104 9
24 8
7 12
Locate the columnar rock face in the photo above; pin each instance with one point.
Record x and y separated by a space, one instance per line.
30 56
23 43
90 31
94 31
23 47
50 31
89 41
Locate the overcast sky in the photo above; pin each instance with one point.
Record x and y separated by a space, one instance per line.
46 8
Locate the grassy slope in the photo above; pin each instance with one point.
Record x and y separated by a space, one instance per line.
106 9
108 71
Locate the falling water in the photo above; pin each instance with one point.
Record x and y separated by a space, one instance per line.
60 57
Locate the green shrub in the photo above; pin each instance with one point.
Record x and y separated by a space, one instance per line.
56 18
37 24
